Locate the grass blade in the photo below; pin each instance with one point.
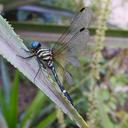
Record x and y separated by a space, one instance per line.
49 119
34 107
5 80
13 106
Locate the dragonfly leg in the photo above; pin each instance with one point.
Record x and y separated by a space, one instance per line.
27 57
40 63
26 50
37 72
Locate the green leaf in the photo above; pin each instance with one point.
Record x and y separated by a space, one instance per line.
105 121
13 106
49 119
33 109
3 123
5 80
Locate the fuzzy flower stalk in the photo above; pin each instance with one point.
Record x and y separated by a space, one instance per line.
100 36
96 107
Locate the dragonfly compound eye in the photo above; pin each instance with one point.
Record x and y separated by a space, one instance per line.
35 45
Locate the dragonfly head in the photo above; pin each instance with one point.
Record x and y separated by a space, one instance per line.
35 45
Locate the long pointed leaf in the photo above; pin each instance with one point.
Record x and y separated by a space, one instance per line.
3 123
13 106
11 46
5 80
34 107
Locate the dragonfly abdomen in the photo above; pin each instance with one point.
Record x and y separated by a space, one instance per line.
60 85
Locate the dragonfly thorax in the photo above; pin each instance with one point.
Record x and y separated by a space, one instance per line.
42 54
45 54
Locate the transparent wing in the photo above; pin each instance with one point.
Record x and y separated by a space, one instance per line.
63 74
80 20
74 40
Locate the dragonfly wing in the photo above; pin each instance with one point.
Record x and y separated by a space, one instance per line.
78 43
72 48
73 60
66 57
68 77
82 19
63 74
74 40
72 43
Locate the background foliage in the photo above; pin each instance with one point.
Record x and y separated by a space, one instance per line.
100 86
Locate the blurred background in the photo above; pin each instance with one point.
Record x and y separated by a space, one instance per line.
99 91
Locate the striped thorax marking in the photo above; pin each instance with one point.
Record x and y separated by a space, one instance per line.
45 54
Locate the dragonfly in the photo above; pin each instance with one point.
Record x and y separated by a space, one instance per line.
72 42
